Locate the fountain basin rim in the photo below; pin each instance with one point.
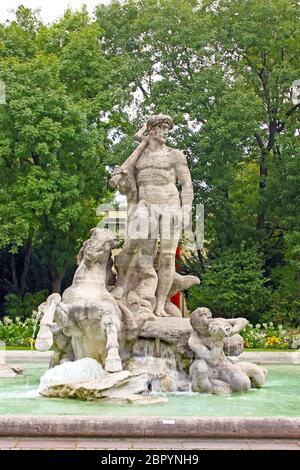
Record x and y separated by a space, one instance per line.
261 357
150 427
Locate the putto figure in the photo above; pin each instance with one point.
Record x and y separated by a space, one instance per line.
212 371
156 212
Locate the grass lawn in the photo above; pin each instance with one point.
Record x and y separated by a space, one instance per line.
269 350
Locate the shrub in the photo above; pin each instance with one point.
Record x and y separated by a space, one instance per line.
232 285
15 332
22 307
283 311
267 335
284 306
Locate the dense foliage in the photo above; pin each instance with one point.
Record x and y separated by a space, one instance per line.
232 284
79 88
18 332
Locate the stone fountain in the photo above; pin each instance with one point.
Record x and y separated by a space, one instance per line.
115 333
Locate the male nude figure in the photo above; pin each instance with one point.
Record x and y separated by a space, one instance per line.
156 170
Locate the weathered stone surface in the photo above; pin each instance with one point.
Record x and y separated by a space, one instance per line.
163 373
110 381
212 371
151 426
67 381
7 372
175 331
233 345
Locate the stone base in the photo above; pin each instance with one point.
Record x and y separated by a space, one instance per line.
66 381
176 331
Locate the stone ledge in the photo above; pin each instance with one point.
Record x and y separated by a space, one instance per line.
23 356
150 427
266 357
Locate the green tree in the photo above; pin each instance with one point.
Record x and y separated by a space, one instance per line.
54 143
78 89
225 71
232 284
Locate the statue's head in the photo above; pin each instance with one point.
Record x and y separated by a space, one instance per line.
158 127
97 247
200 320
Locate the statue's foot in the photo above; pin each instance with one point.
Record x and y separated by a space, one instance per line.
161 313
113 365
113 361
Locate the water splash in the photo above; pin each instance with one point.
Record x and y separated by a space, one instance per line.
32 393
163 367
83 370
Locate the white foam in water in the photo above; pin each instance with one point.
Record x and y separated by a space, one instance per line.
83 370
33 393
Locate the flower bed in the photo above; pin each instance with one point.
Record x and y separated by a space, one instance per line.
268 336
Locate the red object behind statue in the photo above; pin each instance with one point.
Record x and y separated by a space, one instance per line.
176 298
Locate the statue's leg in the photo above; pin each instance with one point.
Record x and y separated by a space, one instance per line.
146 291
111 325
169 235
166 271
124 263
255 373
199 373
147 276
235 377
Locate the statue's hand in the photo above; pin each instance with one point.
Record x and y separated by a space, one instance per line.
141 134
117 175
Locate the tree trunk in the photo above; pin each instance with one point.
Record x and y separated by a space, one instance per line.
26 265
201 259
263 173
56 283
56 278
14 277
